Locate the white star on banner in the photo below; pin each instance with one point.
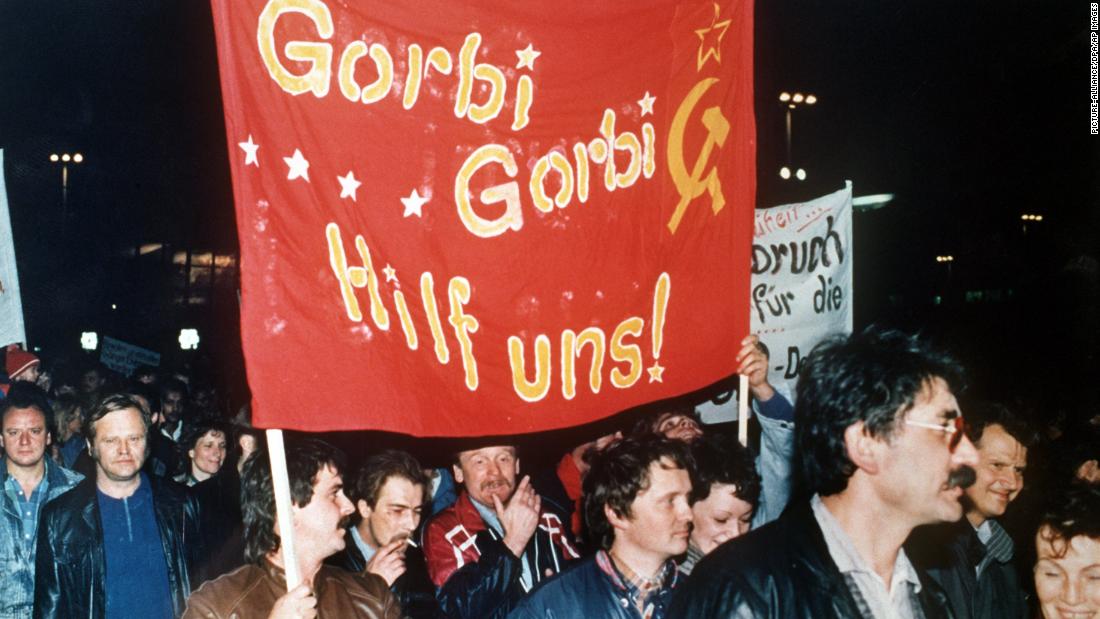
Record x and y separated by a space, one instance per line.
299 167
250 149
348 185
413 204
646 103
391 273
527 57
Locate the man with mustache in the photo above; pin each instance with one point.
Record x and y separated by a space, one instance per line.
638 514
319 510
495 543
972 559
881 449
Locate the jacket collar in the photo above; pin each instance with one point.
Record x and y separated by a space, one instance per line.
817 567
467 514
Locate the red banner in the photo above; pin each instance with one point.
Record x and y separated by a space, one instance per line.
475 218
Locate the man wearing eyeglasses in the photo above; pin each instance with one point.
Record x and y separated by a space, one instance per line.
881 449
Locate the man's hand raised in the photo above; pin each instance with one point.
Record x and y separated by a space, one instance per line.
753 363
300 603
520 517
389 561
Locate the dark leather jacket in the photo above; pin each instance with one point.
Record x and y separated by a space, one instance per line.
587 589
414 589
949 554
782 570
251 591
70 568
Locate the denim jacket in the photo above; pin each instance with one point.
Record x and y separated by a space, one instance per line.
16 561
776 454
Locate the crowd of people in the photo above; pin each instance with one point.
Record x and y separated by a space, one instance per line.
874 494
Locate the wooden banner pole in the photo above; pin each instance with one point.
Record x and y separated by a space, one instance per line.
743 410
281 483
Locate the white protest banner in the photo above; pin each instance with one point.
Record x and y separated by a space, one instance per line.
125 358
801 286
11 304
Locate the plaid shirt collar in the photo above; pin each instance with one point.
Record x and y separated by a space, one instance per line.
650 595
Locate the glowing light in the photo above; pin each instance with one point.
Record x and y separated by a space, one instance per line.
800 174
89 340
784 97
189 339
784 172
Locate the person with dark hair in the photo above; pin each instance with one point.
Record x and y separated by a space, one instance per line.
165 456
496 542
637 511
775 415
881 449
29 480
972 559
218 490
1079 458
678 422
121 543
144 375
173 404
206 444
389 491
725 490
92 379
1067 571
319 509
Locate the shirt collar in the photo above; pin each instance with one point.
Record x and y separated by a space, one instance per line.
489 516
844 554
364 547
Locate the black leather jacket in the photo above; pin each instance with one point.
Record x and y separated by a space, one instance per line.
70 568
413 589
949 554
780 571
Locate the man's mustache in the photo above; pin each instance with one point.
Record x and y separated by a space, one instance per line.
962 477
494 484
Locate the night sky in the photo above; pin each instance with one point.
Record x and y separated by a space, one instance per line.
972 113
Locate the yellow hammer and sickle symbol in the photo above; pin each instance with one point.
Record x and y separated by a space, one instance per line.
691 186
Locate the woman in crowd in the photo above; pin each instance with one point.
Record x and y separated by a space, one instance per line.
205 443
68 416
1067 573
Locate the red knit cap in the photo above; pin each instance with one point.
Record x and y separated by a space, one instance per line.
19 360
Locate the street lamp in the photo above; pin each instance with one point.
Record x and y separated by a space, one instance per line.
792 102
1030 217
65 159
